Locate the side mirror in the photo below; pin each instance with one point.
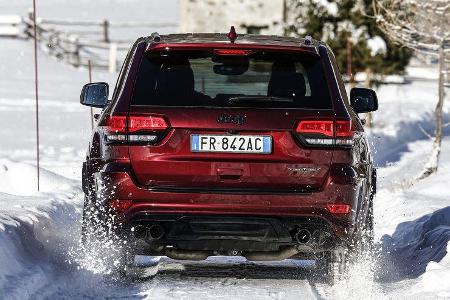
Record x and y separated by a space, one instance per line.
95 94
363 100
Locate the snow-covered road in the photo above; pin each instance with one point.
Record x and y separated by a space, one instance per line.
40 257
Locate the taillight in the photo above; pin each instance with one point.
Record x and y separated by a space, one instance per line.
326 132
136 129
116 124
150 123
316 127
343 129
237 52
339 208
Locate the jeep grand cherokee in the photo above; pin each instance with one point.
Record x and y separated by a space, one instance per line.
216 144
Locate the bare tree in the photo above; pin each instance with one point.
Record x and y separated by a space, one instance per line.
424 26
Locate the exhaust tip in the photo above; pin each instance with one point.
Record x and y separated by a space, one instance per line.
149 233
155 232
140 232
303 236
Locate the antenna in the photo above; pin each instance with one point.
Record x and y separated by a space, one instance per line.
232 35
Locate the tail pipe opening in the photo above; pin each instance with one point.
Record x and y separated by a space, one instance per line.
303 236
149 233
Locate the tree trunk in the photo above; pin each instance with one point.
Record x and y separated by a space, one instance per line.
432 165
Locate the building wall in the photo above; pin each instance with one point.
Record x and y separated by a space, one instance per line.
218 15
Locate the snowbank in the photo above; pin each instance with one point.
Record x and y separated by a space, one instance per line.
436 278
414 244
36 229
21 179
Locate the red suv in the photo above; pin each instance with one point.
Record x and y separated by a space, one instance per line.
218 144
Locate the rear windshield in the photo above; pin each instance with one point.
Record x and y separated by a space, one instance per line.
265 79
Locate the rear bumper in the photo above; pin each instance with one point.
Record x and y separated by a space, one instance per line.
257 238
116 183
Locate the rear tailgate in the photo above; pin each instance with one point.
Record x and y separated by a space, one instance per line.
172 163
238 92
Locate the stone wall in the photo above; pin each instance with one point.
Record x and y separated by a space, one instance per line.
248 16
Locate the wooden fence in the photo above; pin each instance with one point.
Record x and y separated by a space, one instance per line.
10 25
77 42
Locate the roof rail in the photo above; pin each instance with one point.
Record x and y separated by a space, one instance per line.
155 37
308 40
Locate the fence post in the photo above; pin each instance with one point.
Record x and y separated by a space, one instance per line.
90 81
112 58
76 53
29 24
106 31
51 41
36 80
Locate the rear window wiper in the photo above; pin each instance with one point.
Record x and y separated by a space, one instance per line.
234 100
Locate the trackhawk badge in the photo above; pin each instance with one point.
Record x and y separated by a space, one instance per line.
234 119
303 170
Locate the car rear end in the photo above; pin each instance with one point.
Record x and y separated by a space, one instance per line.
228 148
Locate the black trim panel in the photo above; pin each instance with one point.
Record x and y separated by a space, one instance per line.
242 191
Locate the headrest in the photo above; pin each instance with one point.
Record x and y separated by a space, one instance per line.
285 82
175 80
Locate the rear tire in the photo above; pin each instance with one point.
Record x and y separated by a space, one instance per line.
368 234
334 266
369 224
123 263
98 237
363 240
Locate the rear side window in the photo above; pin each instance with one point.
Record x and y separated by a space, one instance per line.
266 80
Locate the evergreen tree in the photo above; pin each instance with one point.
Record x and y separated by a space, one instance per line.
337 21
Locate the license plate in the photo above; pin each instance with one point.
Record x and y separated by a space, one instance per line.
231 143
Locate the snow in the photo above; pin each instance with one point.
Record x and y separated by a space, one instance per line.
423 73
218 16
10 19
10 31
8 25
435 279
385 79
377 45
40 256
331 7
136 10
